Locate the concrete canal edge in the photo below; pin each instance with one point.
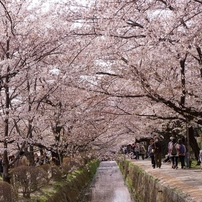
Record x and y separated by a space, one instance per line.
144 187
77 181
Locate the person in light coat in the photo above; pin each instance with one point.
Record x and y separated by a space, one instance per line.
174 155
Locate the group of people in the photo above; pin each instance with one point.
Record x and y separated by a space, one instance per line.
42 159
138 150
177 152
38 159
135 150
22 160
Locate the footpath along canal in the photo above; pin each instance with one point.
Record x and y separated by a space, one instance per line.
108 185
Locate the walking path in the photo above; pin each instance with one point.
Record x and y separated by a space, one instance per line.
188 181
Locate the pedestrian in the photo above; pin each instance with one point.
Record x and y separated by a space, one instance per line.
36 159
174 153
151 152
124 149
129 150
137 150
157 152
142 150
45 159
200 158
169 146
182 151
133 151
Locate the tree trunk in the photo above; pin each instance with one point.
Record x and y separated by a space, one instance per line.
30 156
193 143
6 176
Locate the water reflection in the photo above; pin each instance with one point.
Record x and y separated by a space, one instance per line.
107 185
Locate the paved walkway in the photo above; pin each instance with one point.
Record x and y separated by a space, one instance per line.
189 181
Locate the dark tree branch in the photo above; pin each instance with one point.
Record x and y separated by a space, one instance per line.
134 24
8 16
109 74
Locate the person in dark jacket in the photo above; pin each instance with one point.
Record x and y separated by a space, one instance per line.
157 152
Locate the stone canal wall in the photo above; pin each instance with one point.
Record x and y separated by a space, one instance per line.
75 184
145 188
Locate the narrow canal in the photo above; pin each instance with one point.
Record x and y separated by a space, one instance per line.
108 185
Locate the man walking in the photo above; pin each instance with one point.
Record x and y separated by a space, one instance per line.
157 152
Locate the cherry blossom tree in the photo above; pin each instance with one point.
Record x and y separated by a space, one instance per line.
154 47
38 64
28 49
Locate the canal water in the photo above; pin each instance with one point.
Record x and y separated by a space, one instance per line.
107 185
